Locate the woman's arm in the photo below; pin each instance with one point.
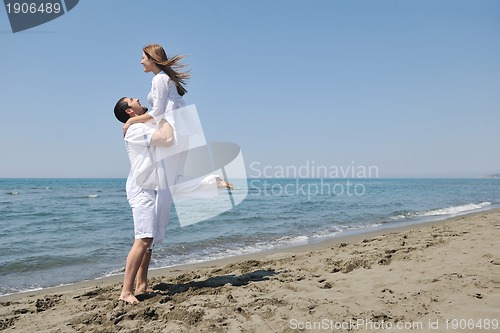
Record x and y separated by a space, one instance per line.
159 94
164 135
134 120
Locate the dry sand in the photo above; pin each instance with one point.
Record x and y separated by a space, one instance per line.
429 277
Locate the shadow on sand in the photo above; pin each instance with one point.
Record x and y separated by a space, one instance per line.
171 289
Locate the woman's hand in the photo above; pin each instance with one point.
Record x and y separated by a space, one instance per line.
126 126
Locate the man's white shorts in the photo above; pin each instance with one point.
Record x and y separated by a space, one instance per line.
151 211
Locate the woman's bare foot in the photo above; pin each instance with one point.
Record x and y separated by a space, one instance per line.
129 298
221 183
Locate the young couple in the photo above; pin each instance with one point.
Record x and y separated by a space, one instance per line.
144 131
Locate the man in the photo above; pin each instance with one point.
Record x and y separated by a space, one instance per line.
150 207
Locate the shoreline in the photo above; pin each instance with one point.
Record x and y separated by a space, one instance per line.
353 236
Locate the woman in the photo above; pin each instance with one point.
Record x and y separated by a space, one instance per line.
167 89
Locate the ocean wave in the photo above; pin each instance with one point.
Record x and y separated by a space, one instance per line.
448 211
15 290
42 262
191 254
91 196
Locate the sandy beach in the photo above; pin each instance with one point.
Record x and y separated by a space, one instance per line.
434 277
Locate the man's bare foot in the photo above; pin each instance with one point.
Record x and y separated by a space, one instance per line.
142 291
129 298
142 288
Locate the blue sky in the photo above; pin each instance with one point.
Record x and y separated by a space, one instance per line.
411 87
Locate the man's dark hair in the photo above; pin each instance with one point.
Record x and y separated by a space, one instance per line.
120 108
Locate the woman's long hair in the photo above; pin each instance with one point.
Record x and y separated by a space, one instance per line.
171 66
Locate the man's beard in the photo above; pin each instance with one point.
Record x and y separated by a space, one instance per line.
145 109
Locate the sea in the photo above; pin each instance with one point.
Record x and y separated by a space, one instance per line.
62 231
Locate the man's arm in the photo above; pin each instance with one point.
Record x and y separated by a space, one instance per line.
164 135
